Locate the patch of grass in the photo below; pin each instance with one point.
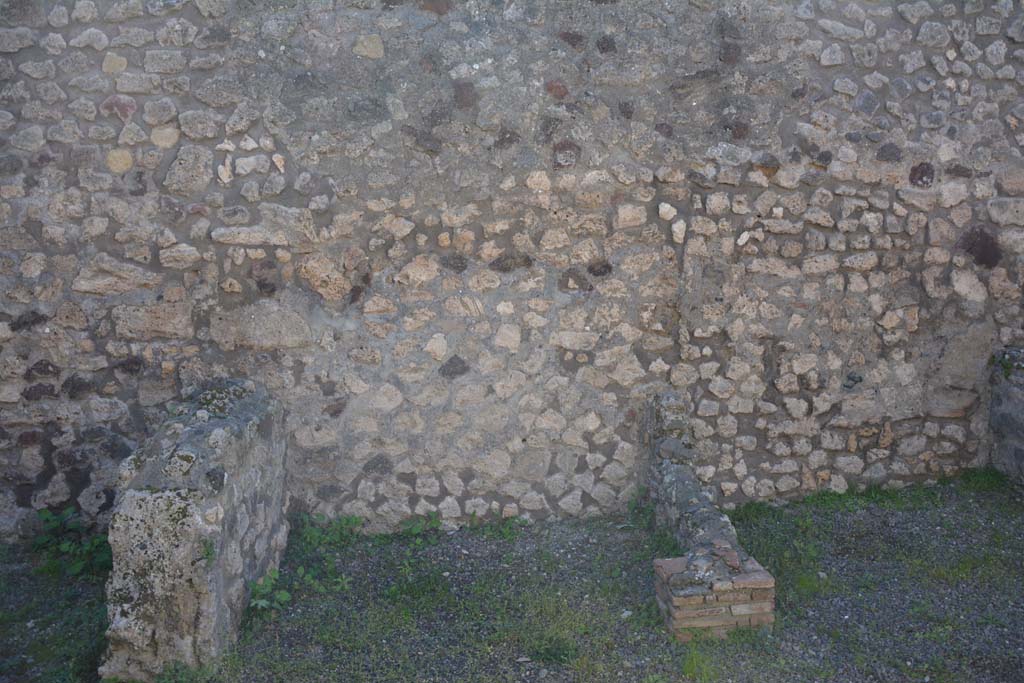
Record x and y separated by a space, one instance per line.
985 566
697 665
984 480
755 512
57 636
420 590
505 529
179 673
641 509
663 543
545 627
788 543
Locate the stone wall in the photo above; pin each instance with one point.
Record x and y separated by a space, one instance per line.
463 242
200 514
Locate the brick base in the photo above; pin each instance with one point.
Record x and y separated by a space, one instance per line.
693 602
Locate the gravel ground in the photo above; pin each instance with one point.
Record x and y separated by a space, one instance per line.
919 585
51 627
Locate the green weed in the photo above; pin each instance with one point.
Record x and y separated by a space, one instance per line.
265 597
69 549
506 529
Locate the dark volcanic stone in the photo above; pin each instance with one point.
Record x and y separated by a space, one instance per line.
455 262
506 263
336 408
982 246
546 128
466 96
574 39
506 138
889 152
132 365
730 52
9 164
599 268
572 280
606 44
26 320
453 367
380 464
43 368
922 174
76 387
38 391
217 477
866 102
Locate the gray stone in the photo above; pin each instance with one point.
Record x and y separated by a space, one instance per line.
15 39
191 171
1006 210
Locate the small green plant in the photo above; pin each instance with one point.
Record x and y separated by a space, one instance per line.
419 529
421 524
317 533
1005 363
641 510
421 589
265 597
68 548
506 529
322 582
209 550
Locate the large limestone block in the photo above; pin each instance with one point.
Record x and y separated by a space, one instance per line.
263 326
200 514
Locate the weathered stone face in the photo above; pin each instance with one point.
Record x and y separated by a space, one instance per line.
200 514
467 247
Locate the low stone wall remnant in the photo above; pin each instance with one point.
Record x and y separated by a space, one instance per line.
199 516
715 586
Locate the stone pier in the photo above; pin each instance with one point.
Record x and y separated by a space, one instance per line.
200 515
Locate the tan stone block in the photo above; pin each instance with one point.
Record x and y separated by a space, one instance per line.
733 596
747 608
119 160
688 612
114 63
761 594
762 619
709 622
755 579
